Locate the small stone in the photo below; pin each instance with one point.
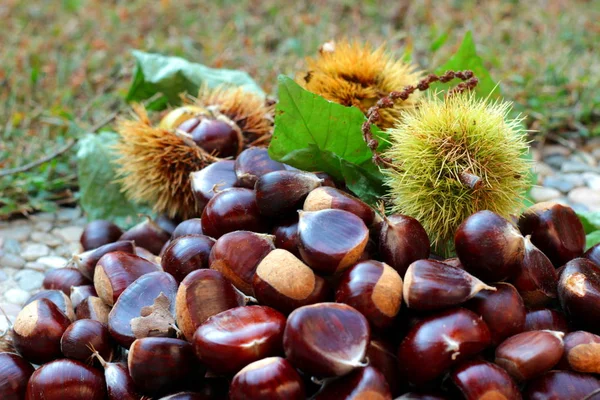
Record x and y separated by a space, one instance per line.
12 246
43 226
555 161
44 216
46 238
16 296
575 166
536 155
540 194
11 310
3 276
556 182
593 182
69 233
33 251
586 158
11 261
29 280
52 261
596 153
587 197
68 214
555 149
16 231
543 169
67 250
34 265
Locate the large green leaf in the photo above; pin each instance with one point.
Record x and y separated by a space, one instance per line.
592 239
171 76
100 196
466 57
314 134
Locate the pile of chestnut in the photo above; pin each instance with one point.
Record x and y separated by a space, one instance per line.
289 287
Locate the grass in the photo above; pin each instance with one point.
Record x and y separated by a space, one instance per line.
65 66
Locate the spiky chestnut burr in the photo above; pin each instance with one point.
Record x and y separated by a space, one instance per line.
355 74
154 163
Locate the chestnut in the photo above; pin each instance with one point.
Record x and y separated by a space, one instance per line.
211 180
366 382
440 341
285 283
546 319
593 254
159 365
382 357
402 240
98 233
60 300
253 163
86 261
117 270
148 256
119 384
38 329
537 281
63 279
66 380
218 136
582 352
286 236
563 385
83 337
187 396
433 285
269 378
186 254
93 308
502 310
192 226
237 254
326 197
202 294
80 293
232 339
145 308
373 288
231 210
555 229
478 379
326 339
529 354
422 396
14 374
147 234
489 246
281 193
331 240
579 293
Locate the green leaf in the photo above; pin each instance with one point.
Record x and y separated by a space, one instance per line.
314 134
590 220
171 76
592 239
100 196
466 57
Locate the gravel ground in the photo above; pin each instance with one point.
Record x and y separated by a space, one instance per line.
29 247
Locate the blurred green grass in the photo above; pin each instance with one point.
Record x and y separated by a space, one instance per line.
66 65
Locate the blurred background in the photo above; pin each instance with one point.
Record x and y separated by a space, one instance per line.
65 66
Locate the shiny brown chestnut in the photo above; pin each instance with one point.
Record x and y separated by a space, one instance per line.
579 293
147 234
119 384
529 354
546 319
253 163
14 374
555 229
477 379
286 236
373 288
83 337
223 138
232 339
211 180
270 378
202 294
593 254
63 279
433 285
161 365
98 233
382 357
60 300
502 310
582 352
366 382
326 197
402 240
186 254
86 261
147 255
489 246
231 210
281 193
326 339
192 226
537 280
115 271
237 254
37 331
145 308
66 380
80 293
438 342
330 240
563 385
94 308
284 282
